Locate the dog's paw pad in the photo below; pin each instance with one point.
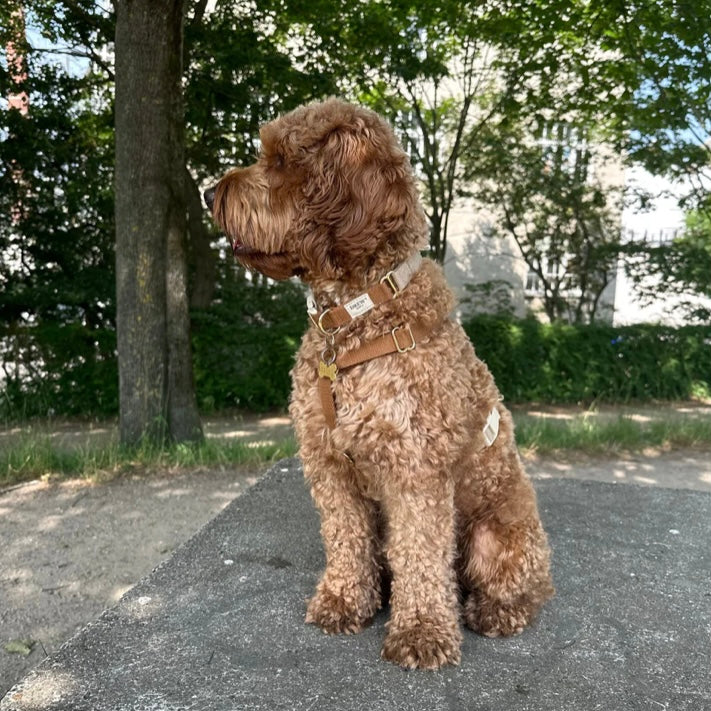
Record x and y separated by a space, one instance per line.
422 647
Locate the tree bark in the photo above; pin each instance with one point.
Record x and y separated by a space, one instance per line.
203 257
156 390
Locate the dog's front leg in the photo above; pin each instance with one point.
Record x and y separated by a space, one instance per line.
423 630
348 595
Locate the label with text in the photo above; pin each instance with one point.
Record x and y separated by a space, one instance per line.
359 305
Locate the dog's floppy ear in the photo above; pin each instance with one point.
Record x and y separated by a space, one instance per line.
359 193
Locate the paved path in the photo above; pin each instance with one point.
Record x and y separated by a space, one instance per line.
220 624
69 550
671 470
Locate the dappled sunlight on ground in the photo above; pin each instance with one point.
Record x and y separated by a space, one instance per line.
643 413
70 549
251 429
232 434
64 433
53 685
271 429
118 592
254 431
173 492
141 608
672 470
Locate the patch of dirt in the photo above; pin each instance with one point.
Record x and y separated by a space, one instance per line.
646 412
678 469
69 550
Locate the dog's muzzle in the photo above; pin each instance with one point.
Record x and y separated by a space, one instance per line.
209 197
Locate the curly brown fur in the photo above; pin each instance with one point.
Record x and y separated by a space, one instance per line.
332 199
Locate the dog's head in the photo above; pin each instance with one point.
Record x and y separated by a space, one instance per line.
331 196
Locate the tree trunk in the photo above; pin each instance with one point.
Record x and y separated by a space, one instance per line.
156 391
203 256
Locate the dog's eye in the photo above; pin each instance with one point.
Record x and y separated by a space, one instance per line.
278 160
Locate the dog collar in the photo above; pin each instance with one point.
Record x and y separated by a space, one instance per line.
389 287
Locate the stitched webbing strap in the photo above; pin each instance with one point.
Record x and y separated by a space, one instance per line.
328 404
340 316
399 340
389 287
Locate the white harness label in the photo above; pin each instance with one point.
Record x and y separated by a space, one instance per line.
359 305
491 429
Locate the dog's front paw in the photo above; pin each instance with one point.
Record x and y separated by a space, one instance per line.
342 614
493 618
426 646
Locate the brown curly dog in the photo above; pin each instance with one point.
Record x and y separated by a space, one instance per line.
408 450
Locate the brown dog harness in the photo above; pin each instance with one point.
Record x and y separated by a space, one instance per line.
400 339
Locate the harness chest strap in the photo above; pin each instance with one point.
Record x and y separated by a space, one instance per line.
400 340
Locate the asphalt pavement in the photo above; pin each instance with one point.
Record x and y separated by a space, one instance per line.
219 625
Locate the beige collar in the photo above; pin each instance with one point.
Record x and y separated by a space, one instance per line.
332 319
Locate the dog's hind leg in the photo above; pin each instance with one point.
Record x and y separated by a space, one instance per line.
348 595
504 557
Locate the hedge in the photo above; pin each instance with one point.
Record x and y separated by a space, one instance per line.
55 369
244 349
557 363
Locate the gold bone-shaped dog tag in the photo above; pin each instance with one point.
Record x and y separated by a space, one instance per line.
327 371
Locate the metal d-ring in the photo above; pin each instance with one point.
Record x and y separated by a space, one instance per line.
389 279
323 329
328 355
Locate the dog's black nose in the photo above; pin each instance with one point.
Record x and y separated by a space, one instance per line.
209 197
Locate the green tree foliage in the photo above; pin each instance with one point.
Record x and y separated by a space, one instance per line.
681 268
57 263
642 69
245 344
245 63
638 74
460 80
659 54
530 360
56 241
441 72
542 184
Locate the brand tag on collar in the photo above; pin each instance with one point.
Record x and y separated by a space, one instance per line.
491 429
358 306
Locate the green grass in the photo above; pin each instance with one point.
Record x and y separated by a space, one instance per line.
33 455
595 436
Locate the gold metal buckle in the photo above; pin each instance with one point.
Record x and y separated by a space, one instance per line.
325 331
400 349
391 283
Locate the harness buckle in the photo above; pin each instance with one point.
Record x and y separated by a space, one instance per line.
403 349
390 281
